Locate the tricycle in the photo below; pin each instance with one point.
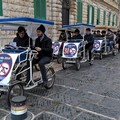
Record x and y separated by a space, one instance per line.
74 51
14 60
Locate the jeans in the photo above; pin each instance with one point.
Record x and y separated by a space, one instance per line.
89 47
42 62
111 44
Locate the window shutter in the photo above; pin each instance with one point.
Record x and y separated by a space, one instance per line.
88 13
92 15
1 10
113 20
116 20
79 11
40 9
109 20
98 16
104 18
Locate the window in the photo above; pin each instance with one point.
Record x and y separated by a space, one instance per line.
40 9
79 11
1 12
109 17
98 17
104 18
113 20
90 14
116 20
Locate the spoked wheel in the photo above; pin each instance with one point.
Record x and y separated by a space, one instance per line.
64 65
51 78
13 91
59 59
77 64
101 56
114 52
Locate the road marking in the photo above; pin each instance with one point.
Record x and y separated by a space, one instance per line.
56 115
98 114
37 115
84 110
4 110
67 87
103 96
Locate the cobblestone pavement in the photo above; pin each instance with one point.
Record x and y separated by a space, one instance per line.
93 93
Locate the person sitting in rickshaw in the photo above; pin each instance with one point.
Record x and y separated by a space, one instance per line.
98 34
89 42
43 45
77 35
110 37
62 37
22 39
103 33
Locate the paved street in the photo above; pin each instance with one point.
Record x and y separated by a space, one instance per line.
93 93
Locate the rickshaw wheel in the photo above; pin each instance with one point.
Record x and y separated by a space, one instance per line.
51 78
64 64
101 56
12 92
59 59
77 64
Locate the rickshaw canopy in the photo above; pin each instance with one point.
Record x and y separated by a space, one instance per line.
31 24
81 26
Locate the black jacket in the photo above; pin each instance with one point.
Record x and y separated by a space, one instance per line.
23 42
77 37
89 38
46 45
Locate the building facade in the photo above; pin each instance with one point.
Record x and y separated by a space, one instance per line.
97 12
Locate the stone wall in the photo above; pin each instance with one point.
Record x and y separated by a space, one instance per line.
17 8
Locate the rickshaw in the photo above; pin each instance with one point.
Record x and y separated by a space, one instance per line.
101 46
13 60
58 46
74 50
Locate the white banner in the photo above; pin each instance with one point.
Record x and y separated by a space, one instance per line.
97 45
7 62
56 47
70 50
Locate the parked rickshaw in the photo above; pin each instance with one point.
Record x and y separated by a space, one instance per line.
101 44
74 50
14 59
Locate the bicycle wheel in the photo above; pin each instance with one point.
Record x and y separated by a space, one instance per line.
64 65
59 59
13 91
77 64
51 78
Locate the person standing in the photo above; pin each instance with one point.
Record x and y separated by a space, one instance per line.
90 41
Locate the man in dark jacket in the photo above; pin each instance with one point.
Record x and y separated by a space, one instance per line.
43 45
90 41
77 35
22 39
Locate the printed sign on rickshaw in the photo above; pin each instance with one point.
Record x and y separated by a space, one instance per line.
97 44
70 50
56 47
